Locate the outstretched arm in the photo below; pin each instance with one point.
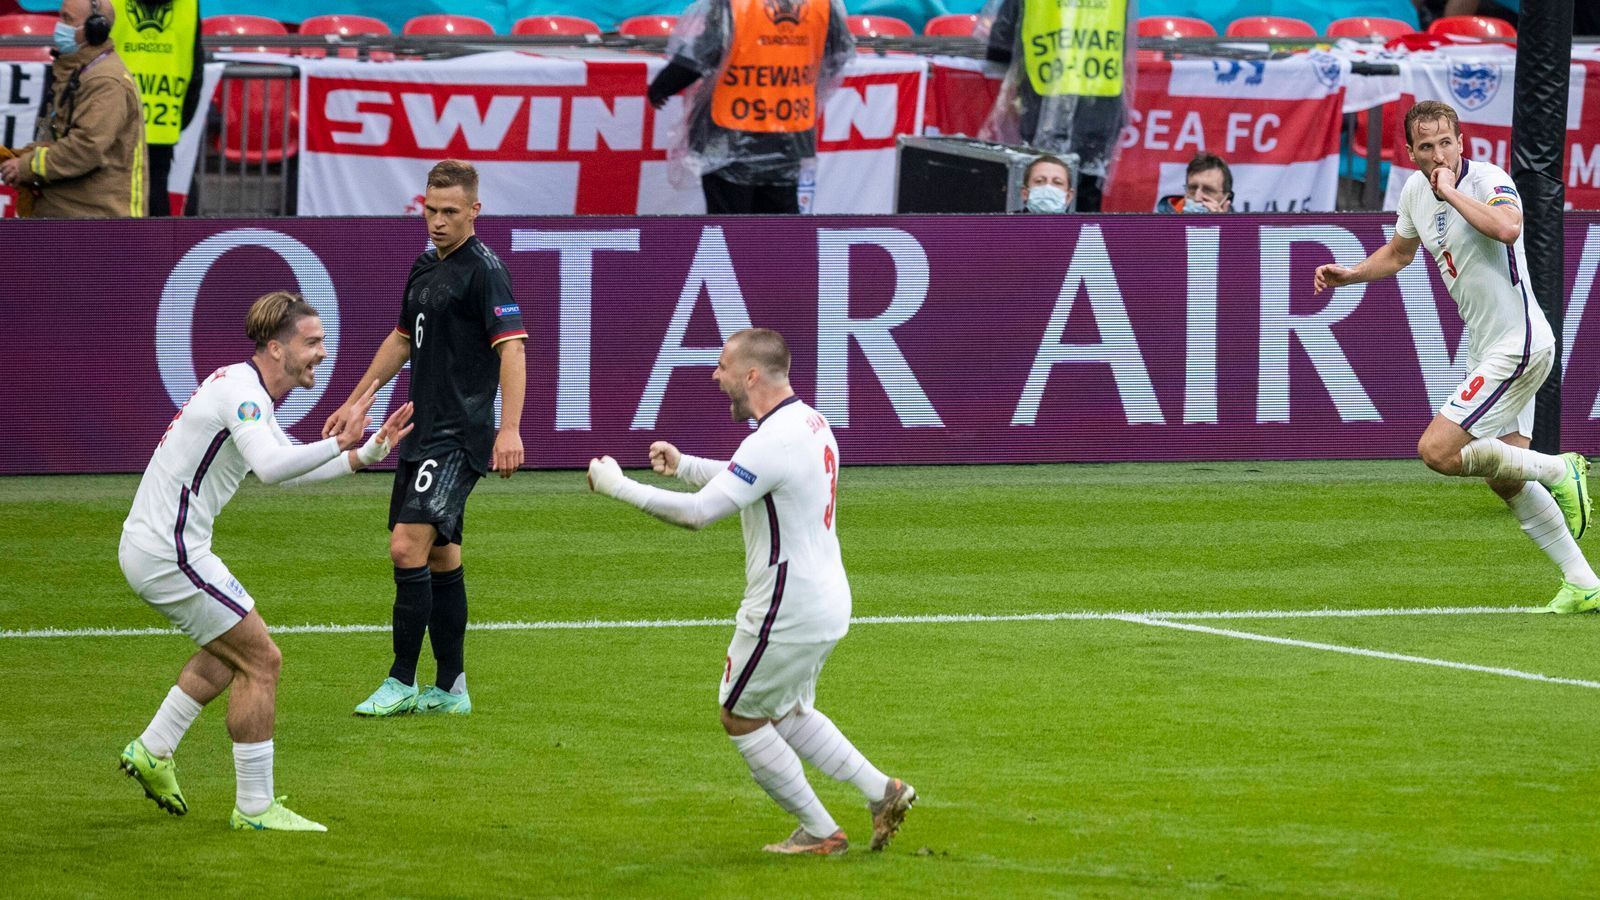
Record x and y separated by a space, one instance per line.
1389 259
693 511
694 471
386 363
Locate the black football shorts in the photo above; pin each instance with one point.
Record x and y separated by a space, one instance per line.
433 491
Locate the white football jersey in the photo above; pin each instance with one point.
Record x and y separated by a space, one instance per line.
784 478
196 468
1488 279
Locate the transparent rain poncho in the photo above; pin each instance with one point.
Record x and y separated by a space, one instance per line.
1070 77
701 41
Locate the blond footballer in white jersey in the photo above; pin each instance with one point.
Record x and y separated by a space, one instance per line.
784 483
1469 215
224 431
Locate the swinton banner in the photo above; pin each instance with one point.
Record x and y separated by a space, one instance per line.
923 339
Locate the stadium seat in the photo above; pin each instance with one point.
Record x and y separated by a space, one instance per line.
23 23
951 25
1175 27
647 26
1270 27
1473 26
216 26
879 26
1363 28
344 26
554 25
447 23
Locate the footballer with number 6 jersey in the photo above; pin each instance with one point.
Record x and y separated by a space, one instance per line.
223 432
1469 215
783 481
462 332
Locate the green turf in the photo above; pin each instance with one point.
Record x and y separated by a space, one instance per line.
1072 758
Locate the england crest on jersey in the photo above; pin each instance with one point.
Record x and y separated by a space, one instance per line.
1474 84
1440 221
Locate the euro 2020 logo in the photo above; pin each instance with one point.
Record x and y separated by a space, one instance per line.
1474 84
150 15
781 11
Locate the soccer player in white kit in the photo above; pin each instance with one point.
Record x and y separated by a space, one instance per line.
224 431
1470 216
783 481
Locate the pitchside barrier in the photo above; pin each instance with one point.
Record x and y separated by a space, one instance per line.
923 339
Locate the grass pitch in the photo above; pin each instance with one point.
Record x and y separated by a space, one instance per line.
1079 757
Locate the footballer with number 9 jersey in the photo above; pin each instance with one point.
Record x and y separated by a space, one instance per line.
783 481
462 332
1469 215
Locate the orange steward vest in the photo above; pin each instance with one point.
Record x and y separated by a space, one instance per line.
769 82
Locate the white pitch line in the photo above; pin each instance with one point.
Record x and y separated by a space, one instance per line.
1356 651
940 619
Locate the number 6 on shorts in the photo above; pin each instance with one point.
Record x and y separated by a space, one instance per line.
424 476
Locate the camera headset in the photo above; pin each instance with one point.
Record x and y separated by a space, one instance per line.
96 28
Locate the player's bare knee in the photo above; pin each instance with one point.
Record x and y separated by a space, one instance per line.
265 663
1439 457
404 552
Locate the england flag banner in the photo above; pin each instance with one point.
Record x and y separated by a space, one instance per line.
1276 122
552 135
1480 85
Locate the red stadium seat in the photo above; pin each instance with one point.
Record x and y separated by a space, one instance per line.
447 23
952 25
344 26
1363 28
1270 27
1473 26
648 26
554 25
1175 27
23 23
244 25
878 26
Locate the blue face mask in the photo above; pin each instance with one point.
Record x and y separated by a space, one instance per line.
1195 206
1046 198
66 38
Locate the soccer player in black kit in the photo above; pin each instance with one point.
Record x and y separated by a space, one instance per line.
462 331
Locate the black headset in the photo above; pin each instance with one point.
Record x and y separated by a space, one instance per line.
96 28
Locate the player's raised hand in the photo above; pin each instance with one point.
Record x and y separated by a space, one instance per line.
351 430
397 426
356 408
1442 179
1334 275
605 476
507 452
664 458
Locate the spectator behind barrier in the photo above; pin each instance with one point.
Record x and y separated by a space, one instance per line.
1047 186
87 160
159 41
1207 188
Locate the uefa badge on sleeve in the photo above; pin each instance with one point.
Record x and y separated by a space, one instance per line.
249 412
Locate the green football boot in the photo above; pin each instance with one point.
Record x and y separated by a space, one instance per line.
434 700
1574 599
158 777
390 699
277 817
1572 493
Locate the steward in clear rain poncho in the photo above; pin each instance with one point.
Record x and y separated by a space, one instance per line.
765 69
1069 81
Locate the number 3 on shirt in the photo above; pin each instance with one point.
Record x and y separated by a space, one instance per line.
830 465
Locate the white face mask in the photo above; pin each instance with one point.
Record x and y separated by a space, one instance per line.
1046 198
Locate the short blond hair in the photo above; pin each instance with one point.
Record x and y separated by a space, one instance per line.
274 315
1428 111
763 348
455 173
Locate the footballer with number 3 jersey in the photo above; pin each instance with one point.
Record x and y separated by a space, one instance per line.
1469 215
462 332
784 483
224 431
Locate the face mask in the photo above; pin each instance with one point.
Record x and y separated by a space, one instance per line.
1195 206
66 37
1046 198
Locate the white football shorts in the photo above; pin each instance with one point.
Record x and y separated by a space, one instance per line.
1497 396
768 680
201 597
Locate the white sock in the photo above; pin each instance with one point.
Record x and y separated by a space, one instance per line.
460 687
1494 458
252 767
777 769
1545 525
821 743
177 713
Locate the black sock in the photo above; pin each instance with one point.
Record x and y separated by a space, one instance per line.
447 627
413 601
